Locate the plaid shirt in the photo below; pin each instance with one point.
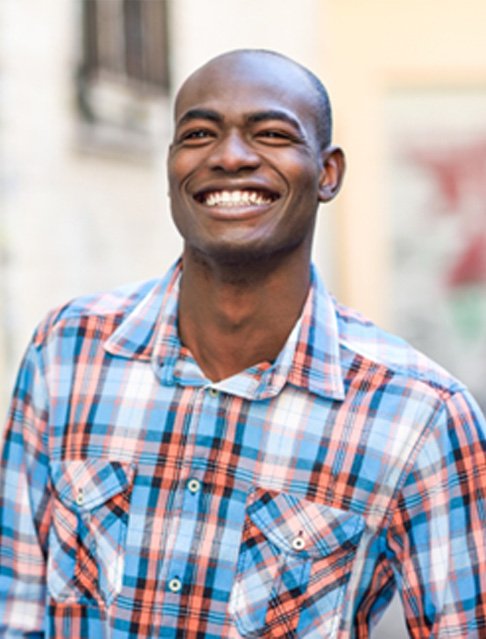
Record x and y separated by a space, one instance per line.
138 499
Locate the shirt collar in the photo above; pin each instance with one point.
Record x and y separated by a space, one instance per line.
316 363
135 337
308 360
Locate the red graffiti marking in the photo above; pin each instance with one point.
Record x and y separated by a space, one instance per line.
458 173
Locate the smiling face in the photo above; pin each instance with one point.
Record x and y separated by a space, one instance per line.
246 168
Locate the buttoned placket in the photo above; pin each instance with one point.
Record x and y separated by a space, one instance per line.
202 426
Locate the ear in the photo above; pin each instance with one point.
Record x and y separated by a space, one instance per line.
332 173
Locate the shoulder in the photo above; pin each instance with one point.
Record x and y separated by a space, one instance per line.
361 338
430 413
102 309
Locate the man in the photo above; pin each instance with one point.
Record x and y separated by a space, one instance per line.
228 452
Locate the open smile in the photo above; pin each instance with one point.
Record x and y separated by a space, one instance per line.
236 198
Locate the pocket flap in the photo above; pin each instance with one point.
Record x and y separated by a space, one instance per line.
303 527
87 484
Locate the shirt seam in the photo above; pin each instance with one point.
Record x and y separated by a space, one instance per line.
410 373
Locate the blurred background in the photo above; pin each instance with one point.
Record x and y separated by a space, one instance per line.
86 88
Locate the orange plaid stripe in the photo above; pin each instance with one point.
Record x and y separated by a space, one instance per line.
139 500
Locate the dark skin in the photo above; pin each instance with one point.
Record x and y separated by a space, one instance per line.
246 132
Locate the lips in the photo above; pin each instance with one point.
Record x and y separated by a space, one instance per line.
236 198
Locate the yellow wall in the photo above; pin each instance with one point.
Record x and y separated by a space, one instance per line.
369 47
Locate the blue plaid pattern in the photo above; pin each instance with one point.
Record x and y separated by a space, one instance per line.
138 499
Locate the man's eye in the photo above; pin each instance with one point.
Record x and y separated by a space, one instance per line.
274 134
271 136
196 135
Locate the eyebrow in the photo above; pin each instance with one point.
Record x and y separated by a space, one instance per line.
275 114
200 114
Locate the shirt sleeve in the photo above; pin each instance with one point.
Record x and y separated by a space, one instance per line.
24 505
438 532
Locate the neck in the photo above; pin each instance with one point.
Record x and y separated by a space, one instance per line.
234 316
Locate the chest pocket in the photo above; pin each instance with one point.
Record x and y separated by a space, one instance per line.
295 560
91 503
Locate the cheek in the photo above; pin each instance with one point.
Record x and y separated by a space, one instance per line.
178 167
305 192
183 163
302 172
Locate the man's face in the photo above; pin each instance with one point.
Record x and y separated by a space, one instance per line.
246 171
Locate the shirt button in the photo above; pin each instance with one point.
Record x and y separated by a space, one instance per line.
213 392
175 584
80 497
298 543
193 486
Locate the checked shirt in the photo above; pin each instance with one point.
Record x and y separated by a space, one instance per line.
138 499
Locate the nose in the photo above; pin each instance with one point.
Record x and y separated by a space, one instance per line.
233 154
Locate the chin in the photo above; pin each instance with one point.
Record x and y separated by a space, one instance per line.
243 256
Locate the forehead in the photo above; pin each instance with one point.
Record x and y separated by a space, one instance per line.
244 84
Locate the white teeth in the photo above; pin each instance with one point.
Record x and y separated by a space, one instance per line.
236 198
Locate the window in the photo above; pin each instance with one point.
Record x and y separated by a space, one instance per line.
123 74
